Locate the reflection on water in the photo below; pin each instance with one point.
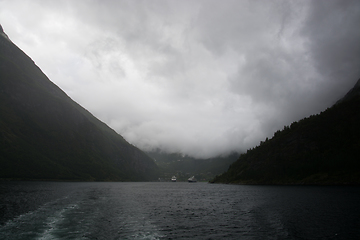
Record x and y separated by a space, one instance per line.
53 210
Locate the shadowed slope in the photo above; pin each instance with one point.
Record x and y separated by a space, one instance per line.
46 135
321 149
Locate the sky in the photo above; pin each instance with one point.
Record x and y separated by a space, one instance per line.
198 77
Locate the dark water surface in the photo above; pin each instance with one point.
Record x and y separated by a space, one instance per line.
55 210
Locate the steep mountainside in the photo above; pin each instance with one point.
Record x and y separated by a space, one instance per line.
46 135
321 149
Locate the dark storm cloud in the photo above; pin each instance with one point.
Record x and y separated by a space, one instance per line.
333 43
197 77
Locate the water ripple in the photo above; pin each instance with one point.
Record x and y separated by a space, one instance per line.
177 211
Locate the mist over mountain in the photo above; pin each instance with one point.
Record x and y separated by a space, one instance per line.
183 166
320 149
203 78
44 134
353 93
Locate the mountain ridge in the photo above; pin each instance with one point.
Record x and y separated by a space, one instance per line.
44 134
321 149
353 92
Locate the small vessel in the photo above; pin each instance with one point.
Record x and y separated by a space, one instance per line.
192 179
173 179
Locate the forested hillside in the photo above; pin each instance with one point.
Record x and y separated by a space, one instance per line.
320 149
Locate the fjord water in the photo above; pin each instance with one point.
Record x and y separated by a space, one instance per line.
180 210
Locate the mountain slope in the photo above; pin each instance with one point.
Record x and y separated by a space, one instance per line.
354 92
321 149
46 135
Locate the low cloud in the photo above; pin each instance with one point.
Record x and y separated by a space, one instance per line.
198 77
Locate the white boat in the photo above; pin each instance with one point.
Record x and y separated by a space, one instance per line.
192 179
173 179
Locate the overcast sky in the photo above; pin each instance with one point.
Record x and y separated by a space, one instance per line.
198 77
